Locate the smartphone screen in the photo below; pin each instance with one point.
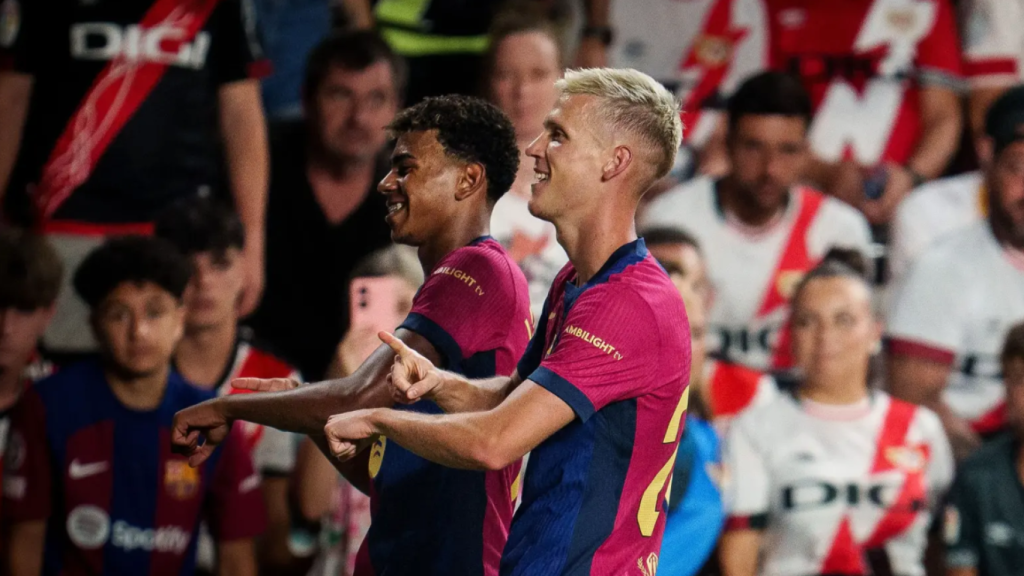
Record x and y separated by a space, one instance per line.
374 303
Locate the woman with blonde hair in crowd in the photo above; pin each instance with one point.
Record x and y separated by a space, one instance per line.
524 61
835 477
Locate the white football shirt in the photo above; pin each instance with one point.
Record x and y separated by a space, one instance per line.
993 43
955 306
753 275
930 212
828 483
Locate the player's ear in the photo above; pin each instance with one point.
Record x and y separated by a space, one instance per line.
473 180
620 160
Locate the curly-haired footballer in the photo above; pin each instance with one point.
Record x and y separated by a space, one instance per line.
454 157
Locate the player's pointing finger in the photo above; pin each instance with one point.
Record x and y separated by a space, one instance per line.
403 351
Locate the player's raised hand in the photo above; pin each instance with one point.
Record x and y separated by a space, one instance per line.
345 432
205 421
412 376
264 384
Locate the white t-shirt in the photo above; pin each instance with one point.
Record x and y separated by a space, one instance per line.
993 43
930 212
827 483
700 49
955 306
532 242
754 275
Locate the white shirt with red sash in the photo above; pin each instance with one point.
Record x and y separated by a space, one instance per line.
754 272
827 484
958 301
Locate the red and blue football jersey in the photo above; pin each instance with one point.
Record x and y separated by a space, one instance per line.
616 350
474 308
115 499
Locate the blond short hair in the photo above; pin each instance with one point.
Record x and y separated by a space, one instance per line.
635 103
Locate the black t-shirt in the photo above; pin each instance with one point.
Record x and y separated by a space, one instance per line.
135 73
305 307
984 519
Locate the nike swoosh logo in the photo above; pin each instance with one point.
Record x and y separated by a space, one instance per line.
77 471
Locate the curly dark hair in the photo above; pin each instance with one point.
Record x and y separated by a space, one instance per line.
470 129
135 259
30 270
196 224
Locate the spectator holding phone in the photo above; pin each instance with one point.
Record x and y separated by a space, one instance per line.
324 213
382 290
522 65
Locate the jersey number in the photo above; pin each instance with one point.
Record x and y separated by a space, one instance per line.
647 515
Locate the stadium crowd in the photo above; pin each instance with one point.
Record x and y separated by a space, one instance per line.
194 192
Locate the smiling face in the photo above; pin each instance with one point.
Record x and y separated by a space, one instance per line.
568 160
420 188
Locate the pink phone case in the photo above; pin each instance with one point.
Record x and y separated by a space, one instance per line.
374 303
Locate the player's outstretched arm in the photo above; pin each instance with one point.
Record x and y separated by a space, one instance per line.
488 440
303 409
414 377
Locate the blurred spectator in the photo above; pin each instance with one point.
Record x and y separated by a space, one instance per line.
761 231
443 41
952 203
108 117
323 497
695 512
993 53
290 30
884 79
213 351
523 64
835 478
725 389
948 318
701 51
324 213
30 276
126 502
985 516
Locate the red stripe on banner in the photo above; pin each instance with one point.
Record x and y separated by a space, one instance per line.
794 258
902 347
88 229
113 98
990 67
712 51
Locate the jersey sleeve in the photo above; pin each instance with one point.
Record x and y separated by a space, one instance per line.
235 508
908 237
28 473
21 44
746 487
993 44
465 306
236 52
605 350
922 320
938 55
962 528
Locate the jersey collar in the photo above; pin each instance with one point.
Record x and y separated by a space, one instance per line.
623 257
